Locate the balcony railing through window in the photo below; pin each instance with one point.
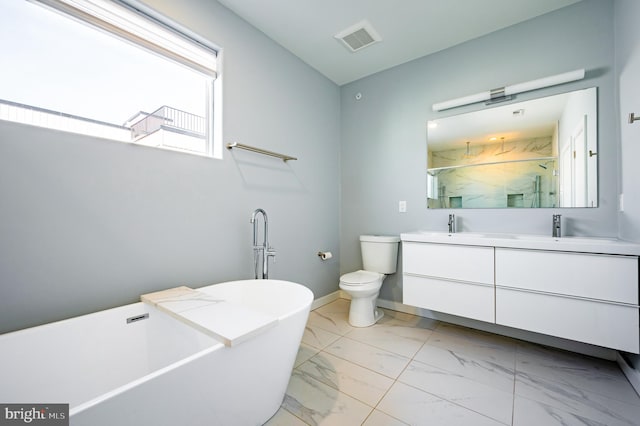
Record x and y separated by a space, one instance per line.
172 119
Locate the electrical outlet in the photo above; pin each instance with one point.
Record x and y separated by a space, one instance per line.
621 202
402 206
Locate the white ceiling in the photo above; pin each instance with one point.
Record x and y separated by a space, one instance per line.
409 28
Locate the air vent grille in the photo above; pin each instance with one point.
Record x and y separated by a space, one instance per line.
358 36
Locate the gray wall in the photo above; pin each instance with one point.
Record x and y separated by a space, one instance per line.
384 134
88 224
628 71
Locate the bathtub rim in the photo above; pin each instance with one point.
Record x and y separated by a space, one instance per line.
304 289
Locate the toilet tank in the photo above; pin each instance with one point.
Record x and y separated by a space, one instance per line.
379 253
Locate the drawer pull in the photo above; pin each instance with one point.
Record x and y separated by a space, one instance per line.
451 280
566 296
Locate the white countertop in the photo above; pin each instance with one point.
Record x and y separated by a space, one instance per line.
526 241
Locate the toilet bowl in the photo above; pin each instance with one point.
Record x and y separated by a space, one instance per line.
379 258
363 287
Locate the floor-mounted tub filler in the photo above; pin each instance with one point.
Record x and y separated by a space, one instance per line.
220 355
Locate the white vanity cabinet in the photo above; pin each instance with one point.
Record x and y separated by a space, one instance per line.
454 279
580 289
591 298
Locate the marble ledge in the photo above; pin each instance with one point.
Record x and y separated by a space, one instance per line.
229 322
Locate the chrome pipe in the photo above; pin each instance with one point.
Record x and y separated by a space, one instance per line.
263 248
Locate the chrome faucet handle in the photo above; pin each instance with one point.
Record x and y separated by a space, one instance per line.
271 252
556 229
452 223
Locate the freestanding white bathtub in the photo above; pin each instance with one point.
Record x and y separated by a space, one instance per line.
158 370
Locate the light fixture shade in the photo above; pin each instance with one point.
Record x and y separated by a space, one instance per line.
513 89
544 82
466 100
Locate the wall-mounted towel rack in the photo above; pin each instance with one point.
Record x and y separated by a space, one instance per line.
260 151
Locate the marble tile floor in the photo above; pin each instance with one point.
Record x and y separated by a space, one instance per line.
409 370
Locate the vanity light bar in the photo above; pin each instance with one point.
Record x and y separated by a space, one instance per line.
512 90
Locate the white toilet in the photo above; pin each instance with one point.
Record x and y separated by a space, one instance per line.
379 258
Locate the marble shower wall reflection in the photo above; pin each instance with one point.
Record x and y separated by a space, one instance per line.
511 174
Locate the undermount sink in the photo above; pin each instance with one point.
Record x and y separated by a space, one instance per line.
523 237
530 241
482 235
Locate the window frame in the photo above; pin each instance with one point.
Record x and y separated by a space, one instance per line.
107 15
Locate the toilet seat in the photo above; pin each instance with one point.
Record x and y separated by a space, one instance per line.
360 278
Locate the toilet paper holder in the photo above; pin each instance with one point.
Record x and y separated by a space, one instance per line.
325 255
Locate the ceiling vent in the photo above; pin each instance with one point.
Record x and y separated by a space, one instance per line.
358 36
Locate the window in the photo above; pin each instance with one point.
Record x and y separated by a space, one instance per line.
103 68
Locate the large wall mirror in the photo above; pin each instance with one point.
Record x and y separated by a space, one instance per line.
532 154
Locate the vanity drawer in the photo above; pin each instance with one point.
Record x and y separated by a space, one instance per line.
611 325
455 262
594 276
464 299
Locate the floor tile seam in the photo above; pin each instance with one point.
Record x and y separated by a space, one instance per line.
387 414
331 385
310 321
307 344
478 346
401 380
474 356
391 328
362 366
326 312
391 333
397 380
466 376
318 348
287 394
313 333
385 395
452 402
442 328
330 331
493 347
473 350
569 410
294 415
410 324
580 388
380 348
353 363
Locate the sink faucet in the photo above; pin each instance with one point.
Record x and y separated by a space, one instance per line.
452 223
556 230
263 248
